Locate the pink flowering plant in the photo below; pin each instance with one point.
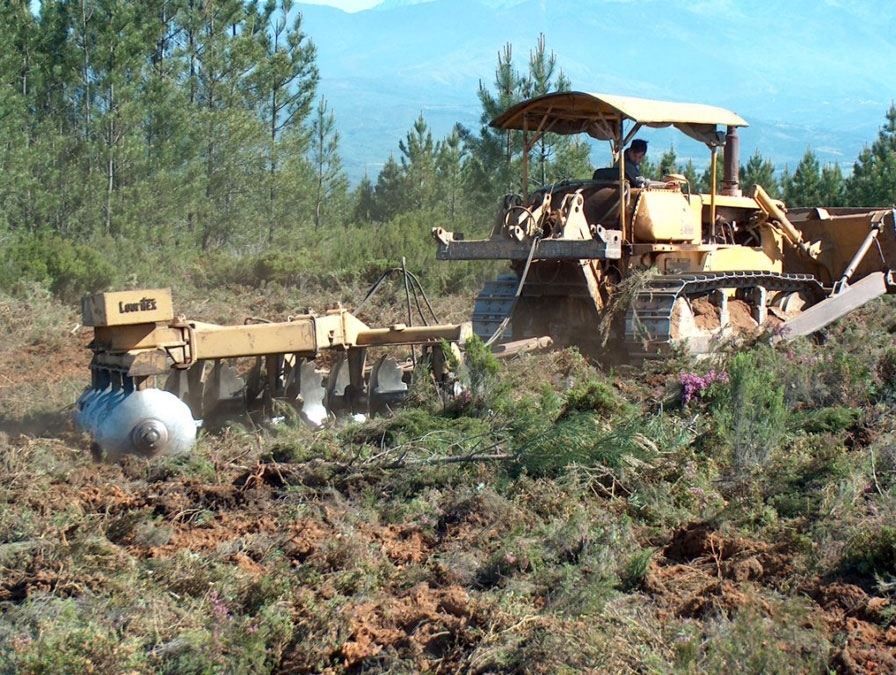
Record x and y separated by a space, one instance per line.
699 386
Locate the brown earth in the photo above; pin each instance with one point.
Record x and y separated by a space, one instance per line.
697 571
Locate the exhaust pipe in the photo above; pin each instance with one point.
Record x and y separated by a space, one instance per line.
730 183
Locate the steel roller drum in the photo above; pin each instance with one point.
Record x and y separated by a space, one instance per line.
149 422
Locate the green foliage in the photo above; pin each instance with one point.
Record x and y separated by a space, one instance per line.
871 552
594 395
812 184
69 269
874 172
751 418
257 552
803 187
750 642
758 171
819 377
794 481
886 370
635 569
585 439
478 374
824 420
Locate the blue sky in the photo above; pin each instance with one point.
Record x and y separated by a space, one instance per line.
345 5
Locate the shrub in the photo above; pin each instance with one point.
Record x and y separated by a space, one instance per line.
751 419
479 372
872 552
825 420
69 269
594 395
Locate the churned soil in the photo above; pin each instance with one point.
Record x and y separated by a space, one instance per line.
696 572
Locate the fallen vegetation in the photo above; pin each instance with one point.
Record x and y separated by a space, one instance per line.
726 515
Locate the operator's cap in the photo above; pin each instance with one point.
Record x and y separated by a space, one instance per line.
638 145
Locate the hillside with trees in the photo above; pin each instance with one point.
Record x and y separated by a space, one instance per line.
194 139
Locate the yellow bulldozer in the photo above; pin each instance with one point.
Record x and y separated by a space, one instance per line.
670 266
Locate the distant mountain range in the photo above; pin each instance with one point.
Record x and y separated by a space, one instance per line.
803 73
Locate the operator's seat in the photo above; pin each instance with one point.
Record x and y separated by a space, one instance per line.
607 173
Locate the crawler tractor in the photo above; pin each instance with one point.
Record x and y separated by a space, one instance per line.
627 271
157 376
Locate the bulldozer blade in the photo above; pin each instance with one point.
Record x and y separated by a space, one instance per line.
829 310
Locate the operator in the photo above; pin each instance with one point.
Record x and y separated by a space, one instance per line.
634 155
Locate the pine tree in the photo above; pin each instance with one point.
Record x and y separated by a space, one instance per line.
418 167
543 78
705 183
873 180
222 52
18 80
690 172
330 184
116 136
450 172
758 171
389 194
496 156
832 190
667 164
365 201
282 85
492 152
803 188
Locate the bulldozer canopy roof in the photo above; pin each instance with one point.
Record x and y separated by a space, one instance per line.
602 116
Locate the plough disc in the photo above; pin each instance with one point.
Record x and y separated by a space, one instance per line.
147 423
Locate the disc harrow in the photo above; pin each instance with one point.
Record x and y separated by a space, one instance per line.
155 377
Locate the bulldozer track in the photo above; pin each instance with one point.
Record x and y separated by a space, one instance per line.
495 302
648 321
